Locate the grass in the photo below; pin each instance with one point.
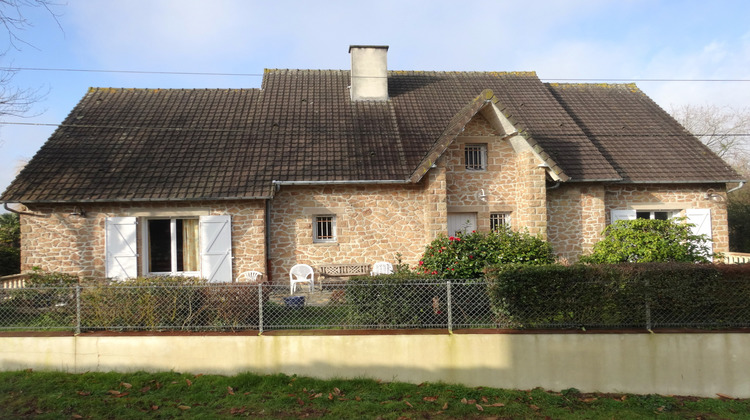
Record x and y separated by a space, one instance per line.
54 395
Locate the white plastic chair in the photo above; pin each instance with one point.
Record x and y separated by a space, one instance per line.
381 267
301 273
249 277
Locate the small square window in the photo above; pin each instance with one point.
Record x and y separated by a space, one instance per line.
476 157
324 228
499 221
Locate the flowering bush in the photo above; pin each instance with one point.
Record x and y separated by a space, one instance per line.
466 256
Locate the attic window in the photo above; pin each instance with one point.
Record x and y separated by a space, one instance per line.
476 157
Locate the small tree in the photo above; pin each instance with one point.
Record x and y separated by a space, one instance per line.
10 243
466 256
645 240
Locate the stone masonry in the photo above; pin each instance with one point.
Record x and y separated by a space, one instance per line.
59 241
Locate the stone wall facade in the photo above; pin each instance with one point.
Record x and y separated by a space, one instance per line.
674 198
578 213
512 183
60 241
372 222
576 218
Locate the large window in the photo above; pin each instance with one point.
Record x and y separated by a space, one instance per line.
324 228
188 245
476 157
173 245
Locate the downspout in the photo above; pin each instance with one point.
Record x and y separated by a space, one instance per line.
268 241
742 184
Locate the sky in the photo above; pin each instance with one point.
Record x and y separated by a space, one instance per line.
656 44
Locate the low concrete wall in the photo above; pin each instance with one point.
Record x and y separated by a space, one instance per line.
700 364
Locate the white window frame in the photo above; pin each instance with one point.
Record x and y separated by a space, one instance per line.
173 248
497 219
671 214
324 237
478 151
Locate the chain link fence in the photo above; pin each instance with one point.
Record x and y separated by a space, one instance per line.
363 305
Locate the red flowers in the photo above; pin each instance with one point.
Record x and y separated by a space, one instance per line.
421 263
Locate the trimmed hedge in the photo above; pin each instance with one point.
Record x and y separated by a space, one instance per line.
169 302
622 295
404 300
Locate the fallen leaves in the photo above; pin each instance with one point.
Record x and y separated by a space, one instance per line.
230 390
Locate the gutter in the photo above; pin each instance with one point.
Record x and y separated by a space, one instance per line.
277 184
24 213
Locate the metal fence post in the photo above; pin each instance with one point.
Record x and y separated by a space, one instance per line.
450 306
260 308
78 308
648 306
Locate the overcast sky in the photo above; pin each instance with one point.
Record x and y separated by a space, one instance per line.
617 40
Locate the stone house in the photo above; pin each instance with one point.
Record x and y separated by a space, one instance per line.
333 166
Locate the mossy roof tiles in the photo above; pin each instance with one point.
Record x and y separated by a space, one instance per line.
185 144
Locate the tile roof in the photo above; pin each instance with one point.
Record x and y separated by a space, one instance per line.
641 141
178 144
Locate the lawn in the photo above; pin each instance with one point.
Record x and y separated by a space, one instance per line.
53 395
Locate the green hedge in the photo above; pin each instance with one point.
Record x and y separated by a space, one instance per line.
166 302
622 295
406 300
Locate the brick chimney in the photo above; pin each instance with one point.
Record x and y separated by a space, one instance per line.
369 75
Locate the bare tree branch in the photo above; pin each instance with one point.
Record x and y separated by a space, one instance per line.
16 101
724 130
13 19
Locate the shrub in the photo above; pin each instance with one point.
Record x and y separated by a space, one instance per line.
620 295
466 256
10 260
645 240
10 244
168 302
404 300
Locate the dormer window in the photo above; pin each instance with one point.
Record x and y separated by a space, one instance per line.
476 157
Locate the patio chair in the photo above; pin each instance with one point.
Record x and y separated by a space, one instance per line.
381 267
301 273
249 277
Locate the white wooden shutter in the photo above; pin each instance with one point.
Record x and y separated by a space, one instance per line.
121 247
701 218
216 248
461 222
623 215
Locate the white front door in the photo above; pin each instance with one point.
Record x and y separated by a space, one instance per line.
461 222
